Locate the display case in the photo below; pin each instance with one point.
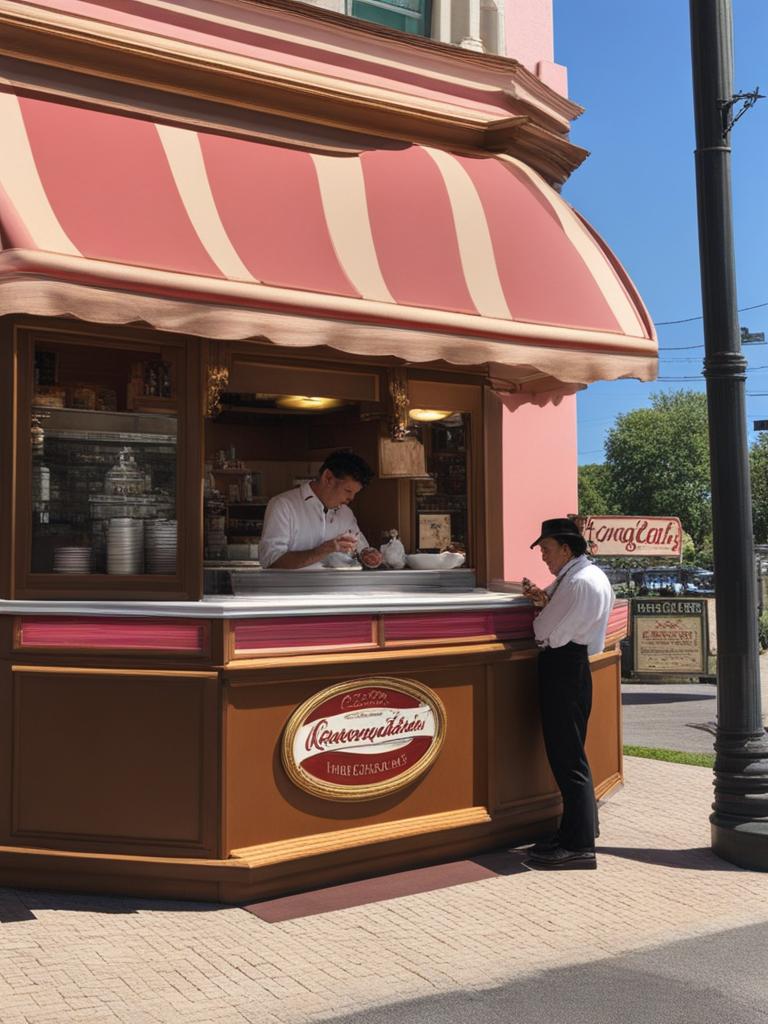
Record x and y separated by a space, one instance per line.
441 501
101 496
449 502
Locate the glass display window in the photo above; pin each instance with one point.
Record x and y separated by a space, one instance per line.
441 500
448 501
103 490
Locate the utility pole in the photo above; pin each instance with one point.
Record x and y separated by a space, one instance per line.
740 811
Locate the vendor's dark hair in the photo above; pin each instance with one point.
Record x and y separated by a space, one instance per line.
345 463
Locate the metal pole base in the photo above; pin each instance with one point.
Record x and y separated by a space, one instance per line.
739 821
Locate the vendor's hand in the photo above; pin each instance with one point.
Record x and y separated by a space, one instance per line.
345 542
371 558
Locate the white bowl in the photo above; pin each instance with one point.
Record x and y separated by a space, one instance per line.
445 560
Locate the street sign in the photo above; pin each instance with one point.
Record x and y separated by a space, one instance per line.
670 636
634 536
750 338
760 424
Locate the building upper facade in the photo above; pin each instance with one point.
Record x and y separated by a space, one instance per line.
248 65
521 29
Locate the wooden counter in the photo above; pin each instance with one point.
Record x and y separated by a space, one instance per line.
143 750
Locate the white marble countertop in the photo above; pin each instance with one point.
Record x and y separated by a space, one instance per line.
268 605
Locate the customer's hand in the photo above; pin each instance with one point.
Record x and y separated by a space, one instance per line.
537 596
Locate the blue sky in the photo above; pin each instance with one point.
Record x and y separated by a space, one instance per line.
629 65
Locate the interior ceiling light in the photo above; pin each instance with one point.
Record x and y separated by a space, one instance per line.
308 403
429 415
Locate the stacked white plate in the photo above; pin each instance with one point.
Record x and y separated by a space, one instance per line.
72 559
160 537
125 546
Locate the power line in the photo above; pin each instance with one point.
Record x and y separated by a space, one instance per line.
690 319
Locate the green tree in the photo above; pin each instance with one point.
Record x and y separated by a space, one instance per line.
689 549
658 461
758 467
594 490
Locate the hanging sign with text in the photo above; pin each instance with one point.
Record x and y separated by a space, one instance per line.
670 636
634 536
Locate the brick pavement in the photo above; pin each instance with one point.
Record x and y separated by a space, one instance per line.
100 960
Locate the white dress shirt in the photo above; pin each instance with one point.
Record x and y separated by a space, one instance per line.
581 599
297 520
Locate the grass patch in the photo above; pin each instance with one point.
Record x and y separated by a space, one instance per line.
676 756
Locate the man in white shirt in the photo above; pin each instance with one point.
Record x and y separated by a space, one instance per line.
570 625
305 526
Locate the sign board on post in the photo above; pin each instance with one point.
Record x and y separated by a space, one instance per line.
634 536
670 636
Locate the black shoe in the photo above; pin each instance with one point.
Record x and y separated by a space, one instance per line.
544 846
561 859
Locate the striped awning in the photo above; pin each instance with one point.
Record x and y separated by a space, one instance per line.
400 250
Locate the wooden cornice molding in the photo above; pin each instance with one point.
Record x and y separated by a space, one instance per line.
533 122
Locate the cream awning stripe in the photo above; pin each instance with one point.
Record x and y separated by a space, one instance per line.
605 276
478 259
21 180
342 190
185 158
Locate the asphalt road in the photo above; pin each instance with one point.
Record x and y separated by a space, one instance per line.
677 716
673 716
712 980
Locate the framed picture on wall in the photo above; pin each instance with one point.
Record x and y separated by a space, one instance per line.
433 530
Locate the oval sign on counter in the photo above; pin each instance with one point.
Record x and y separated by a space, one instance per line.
364 738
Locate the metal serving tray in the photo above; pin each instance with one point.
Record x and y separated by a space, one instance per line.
246 582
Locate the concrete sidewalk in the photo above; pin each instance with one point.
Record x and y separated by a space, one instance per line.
94 960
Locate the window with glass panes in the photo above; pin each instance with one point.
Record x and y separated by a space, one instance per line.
413 16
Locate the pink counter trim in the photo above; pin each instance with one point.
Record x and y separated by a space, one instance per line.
323 631
112 633
512 624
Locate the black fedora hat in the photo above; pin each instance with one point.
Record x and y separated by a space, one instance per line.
560 529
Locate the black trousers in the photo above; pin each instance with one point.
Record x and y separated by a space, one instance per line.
565 701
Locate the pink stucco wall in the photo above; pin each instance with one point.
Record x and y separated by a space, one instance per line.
529 38
540 479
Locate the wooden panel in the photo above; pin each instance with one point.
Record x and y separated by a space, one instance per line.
8 367
109 633
314 631
519 770
6 747
265 378
604 734
263 806
124 758
510 624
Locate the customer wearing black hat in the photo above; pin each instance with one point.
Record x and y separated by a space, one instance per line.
569 626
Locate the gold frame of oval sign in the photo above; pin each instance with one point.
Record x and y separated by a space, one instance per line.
334 791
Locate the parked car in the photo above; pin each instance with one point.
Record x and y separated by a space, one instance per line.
670 580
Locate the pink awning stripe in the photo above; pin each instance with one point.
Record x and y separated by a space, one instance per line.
269 202
543 277
111 188
413 229
417 233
